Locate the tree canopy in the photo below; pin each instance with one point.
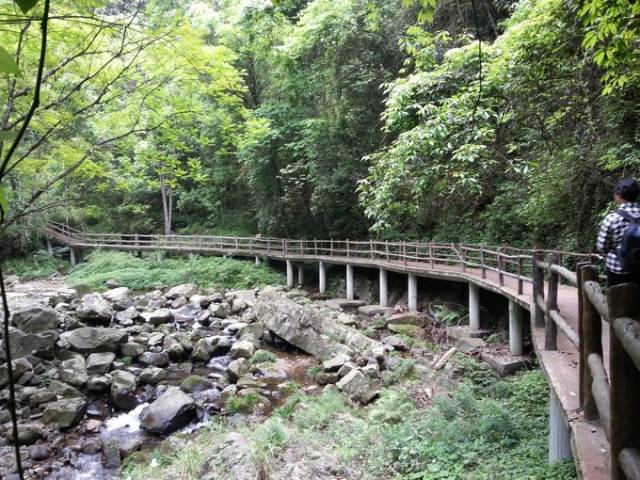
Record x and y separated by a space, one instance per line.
477 120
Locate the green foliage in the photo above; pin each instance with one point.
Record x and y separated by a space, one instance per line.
39 265
263 356
147 273
242 404
405 369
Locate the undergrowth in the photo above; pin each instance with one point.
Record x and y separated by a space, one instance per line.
487 429
40 265
147 273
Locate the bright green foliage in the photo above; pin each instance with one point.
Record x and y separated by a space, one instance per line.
39 265
242 404
263 356
612 32
148 273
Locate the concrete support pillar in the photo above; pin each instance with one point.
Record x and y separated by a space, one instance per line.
301 274
515 328
350 283
289 273
322 281
384 288
73 256
413 293
559 431
258 261
474 307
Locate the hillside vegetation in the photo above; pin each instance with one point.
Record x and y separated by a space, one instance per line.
325 119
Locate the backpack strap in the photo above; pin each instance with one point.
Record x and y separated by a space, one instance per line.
627 216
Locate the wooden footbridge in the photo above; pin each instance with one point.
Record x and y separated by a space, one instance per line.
587 343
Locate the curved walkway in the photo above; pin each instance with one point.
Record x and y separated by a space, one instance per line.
500 271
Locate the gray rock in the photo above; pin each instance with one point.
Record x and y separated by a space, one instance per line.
242 350
123 389
172 410
39 344
220 310
195 383
36 319
335 363
152 375
359 386
64 413
396 342
158 359
95 309
159 317
185 290
117 295
30 433
237 369
61 389
38 453
74 371
99 363
20 367
99 384
132 349
94 339
174 348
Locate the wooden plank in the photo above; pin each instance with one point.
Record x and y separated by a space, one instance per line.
601 391
628 333
629 459
590 333
596 297
551 328
565 273
564 327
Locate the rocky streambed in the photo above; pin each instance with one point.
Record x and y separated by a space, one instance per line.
101 375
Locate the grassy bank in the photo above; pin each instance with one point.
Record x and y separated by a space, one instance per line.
39 265
150 272
488 429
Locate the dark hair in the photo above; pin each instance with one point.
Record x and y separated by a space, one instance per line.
628 189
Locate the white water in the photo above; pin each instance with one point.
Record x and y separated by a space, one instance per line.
130 421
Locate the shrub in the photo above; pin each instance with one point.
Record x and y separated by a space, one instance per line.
263 356
242 404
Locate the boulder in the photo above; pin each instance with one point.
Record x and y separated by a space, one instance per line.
74 371
172 410
174 348
20 367
396 342
64 413
30 433
36 319
94 339
123 389
195 383
242 350
335 363
308 329
159 317
407 318
99 384
237 369
186 290
39 344
220 310
118 295
159 359
132 349
99 363
359 386
63 390
152 375
38 453
95 309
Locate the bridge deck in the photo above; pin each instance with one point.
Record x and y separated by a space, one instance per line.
589 444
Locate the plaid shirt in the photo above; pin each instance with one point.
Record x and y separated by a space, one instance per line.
611 232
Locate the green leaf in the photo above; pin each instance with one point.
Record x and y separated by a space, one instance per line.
26 5
4 204
7 135
8 64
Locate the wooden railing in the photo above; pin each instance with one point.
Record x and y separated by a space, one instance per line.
612 398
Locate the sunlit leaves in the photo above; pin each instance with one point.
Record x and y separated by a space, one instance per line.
4 204
8 63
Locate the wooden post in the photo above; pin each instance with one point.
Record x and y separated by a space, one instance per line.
624 377
590 334
371 248
348 252
500 268
386 247
482 263
431 255
331 247
538 289
520 273
551 329
315 246
463 258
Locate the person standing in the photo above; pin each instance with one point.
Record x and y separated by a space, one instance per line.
618 235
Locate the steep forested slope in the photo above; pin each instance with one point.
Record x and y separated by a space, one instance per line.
321 118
